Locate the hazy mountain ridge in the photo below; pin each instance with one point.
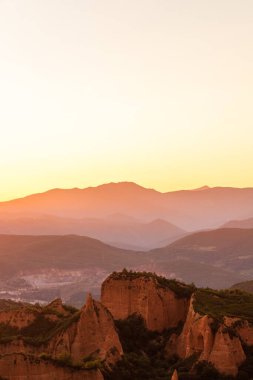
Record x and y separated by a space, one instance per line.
189 210
224 252
118 230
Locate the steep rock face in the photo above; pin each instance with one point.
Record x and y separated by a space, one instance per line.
20 367
196 337
93 334
225 352
160 307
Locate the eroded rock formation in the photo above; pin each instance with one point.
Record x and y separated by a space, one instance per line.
218 347
57 342
160 307
85 338
163 305
93 334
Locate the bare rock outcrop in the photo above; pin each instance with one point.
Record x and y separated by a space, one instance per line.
227 353
199 337
160 307
93 334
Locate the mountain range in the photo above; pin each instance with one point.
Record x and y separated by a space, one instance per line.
188 209
65 242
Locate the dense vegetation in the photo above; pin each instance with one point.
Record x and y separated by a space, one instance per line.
180 289
65 360
144 352
230 302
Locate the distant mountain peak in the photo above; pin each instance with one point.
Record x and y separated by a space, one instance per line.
124 185
160 222
205 187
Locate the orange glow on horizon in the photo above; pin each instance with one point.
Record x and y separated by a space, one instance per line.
157 93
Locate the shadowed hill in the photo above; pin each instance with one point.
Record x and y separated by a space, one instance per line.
34 253
246 286
230 250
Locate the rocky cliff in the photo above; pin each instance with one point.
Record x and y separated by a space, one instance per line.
93 334
199 337
216 328
161 307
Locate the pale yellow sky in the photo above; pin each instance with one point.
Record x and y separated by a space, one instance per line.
158 92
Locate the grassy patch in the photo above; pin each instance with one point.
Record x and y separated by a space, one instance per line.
217 304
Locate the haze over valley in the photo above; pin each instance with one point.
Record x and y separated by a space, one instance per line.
65 242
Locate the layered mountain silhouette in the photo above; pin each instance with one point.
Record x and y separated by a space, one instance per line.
187 209
65 242
118 230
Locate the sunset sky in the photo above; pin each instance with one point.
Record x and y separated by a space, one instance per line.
158 92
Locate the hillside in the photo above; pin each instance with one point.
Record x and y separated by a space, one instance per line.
224 250
70 252
40 268
44 267
246 286
189 210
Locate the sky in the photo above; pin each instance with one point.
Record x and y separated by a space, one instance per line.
158 92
